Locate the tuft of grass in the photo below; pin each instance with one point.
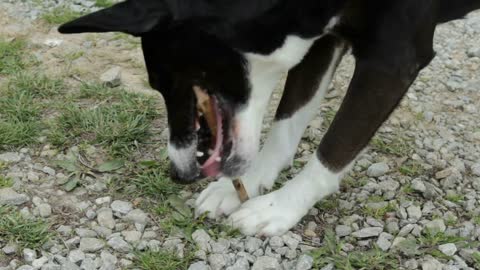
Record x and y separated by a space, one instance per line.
156 184
11 56
455 198
433 239
36 85
104 3
18 134
161 260
328 205
331 252
328 117
351 182
19 118
60 15
27 233
172 213
118 122
411 168
95 91
429 242
380 212
476 260
5 182
398 146
476 220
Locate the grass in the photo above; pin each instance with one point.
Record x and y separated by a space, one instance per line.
60 15
21 107
351 182
331 252
328 205
398 146
411 168
455 198
328 117
476 260
162 260
5 182
11 56
170 210
27 233
380 212
476 220
104 3
36 85
118 120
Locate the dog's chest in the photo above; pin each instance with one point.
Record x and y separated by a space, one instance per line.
292 51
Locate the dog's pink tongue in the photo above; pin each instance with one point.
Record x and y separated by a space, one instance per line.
211 167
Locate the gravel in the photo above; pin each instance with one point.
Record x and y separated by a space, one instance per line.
91 244
8 196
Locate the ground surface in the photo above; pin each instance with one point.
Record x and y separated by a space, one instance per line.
83 183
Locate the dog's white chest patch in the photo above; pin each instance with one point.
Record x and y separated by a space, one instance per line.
290 54
293 49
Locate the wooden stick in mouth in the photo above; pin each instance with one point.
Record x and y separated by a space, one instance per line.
241 191
205 106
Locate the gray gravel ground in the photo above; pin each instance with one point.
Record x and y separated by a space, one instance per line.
414 194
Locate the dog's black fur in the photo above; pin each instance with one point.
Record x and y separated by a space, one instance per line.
189 42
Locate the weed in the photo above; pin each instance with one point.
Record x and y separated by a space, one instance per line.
27 233
61 14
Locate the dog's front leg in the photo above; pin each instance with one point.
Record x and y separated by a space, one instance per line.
305 88
376 89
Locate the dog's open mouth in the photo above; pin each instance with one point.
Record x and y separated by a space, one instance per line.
210 132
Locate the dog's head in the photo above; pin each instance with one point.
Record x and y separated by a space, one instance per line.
203 80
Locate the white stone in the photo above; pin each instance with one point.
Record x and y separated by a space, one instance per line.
448 249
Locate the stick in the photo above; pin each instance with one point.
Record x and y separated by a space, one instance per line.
241 191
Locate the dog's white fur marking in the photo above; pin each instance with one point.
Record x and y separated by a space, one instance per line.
220 198
264 72
277 212
182 157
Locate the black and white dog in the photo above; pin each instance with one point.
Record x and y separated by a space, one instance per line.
237 51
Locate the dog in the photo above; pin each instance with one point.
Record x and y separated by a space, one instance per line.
235 51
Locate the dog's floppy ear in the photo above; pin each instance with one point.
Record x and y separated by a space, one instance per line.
132 16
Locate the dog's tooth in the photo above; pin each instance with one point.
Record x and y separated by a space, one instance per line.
218 159
200 154
210 152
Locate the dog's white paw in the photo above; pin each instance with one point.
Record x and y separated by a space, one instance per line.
265 216
218 199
